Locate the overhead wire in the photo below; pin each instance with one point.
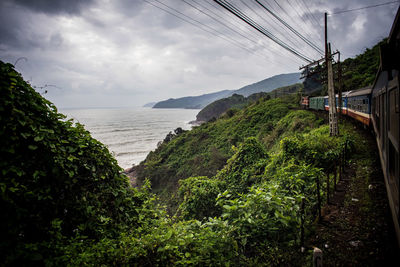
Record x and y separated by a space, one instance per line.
268 22
311 44
220 35
231 8
317 23
249 31
365 7
271 26
308 32
233 42
215 19
311 18
224 24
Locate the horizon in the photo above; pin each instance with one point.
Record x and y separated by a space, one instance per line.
122 54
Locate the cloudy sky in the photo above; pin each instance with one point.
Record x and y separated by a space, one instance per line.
110 53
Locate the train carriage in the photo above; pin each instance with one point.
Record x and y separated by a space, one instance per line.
386 120
379 106
359 105
344 102
317 103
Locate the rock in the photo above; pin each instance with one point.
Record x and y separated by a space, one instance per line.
370 187
317 257
356 243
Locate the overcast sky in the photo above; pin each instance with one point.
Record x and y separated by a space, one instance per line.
104 53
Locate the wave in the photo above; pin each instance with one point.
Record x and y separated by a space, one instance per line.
120 154
132 142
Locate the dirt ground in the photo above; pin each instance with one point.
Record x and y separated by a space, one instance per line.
356 227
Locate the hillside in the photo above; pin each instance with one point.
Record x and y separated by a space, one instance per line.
361 71
266 172
193 102
270 84
357 73
149 105
204 150
199 102
216 108
219 107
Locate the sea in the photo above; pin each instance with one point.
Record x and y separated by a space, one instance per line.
131 133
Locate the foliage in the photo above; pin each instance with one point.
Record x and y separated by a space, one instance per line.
245 167
56 180
217 108
67 202
184 243
360 71
317 147
198 196
260 218
204 150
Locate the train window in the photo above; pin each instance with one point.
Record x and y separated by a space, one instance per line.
393 124
393 175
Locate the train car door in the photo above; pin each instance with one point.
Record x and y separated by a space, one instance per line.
393 138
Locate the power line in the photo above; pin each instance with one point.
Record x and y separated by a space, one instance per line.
270 24
259 28
291 29
251 40
310 16
251 32
317 23
234 42
288 16
301 17
198 9
201 11
365 7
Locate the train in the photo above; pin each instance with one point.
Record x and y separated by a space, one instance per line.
355 104
378 108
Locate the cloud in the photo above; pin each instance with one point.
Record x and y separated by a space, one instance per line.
54 6
126 53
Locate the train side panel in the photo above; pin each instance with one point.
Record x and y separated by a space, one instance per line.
359 105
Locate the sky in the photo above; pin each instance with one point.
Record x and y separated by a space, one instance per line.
126 53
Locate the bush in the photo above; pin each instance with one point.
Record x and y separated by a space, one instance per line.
198 196
245 167
56 181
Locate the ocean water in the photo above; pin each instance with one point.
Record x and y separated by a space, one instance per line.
131 133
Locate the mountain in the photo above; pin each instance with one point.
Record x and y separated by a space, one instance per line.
270 84
150 105
217 108
199 102
193 102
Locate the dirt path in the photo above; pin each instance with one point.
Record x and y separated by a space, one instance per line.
356 228
132 174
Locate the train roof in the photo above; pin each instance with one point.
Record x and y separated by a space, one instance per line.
363 91
344 94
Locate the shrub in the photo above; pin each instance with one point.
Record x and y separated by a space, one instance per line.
56 181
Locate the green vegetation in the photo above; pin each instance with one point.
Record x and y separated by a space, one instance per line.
361 71
57 183
205 149
199 102
229 104
239 189
357 73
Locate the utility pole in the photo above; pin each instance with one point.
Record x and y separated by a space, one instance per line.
340 85
333 119
333 124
